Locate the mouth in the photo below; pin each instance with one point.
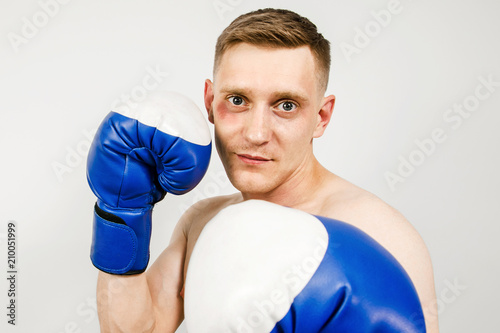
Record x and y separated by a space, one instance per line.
253 159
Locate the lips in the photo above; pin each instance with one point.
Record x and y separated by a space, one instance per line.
253 159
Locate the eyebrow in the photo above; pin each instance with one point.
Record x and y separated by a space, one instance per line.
233 90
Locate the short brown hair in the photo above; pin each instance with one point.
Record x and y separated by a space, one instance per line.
277 28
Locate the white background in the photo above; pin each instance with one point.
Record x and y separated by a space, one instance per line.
61 78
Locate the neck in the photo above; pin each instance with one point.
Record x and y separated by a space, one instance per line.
299 191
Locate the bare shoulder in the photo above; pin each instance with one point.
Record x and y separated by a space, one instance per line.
369 213
388 227
393 231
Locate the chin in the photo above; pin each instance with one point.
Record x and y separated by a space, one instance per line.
252 184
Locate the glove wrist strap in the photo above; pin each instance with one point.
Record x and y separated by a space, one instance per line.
120 240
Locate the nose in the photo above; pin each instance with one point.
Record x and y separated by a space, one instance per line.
258 125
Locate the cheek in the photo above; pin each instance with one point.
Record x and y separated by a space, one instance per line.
296 135
225 124
219 145
221 113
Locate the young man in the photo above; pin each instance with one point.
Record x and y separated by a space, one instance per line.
267 104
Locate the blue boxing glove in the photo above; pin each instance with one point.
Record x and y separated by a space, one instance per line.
261 267
137 155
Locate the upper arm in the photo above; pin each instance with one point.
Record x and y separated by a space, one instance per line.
391 229
416 260
165 280
404 242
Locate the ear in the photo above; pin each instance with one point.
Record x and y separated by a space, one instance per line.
209 98
324 115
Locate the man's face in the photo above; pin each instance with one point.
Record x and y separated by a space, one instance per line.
266 105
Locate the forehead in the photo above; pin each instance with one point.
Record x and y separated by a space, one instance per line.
268 69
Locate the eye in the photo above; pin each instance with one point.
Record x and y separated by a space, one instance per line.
287 106
236 100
